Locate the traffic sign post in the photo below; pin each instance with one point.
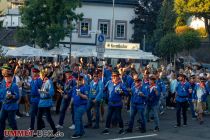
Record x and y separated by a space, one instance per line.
100 49
101 38
100 55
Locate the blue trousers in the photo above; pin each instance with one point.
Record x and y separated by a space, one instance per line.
4 115
134 110
153 109
64 105
33 114
117 111
0 105
41 111
192 109
91 104
181 106
78 113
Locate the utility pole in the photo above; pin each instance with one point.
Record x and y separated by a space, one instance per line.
113 5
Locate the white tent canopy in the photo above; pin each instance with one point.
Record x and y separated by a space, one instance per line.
6 49
28 51
90 51
76 51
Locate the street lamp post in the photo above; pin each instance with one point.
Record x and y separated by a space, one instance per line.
113 5
144 40
70 42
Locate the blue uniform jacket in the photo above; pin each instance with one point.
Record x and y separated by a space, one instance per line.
204 90
36 84
192 95
208 86
129 81
87 79
9 104
161 86
78 101
46 96
68 88
136 99
96 90
153 98
108 74
182 91
115 93
145 85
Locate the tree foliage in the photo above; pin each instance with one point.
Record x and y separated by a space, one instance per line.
191 40
44 21
146 13
165 23
198 8
182 29
1 22
170 44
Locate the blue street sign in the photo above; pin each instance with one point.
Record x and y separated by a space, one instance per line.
101 38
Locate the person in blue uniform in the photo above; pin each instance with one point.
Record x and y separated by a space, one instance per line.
129 82
191 97
138 104
108 72
200 94
86 76
94 100
116 90
181 98
145 81
36 85
153 101
80 100
102 80
162 92
67 95
45 102
9 95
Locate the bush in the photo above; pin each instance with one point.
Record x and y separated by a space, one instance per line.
190 39
170 44
202 32
182 29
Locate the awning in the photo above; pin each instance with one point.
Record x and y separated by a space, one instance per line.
129 54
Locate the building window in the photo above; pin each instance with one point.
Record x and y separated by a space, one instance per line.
121 30
85 27
104 27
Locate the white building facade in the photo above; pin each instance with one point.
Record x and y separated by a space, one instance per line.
113 22
11 18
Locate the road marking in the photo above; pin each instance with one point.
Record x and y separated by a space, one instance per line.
135 137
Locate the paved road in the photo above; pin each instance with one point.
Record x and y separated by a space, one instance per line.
193 131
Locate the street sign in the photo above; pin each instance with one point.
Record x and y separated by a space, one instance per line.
100 55
100 49
101 38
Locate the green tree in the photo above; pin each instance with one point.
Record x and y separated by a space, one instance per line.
191 40
170 45
165 23
198 8
146 13
44 21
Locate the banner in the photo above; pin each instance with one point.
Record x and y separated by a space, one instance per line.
122 46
